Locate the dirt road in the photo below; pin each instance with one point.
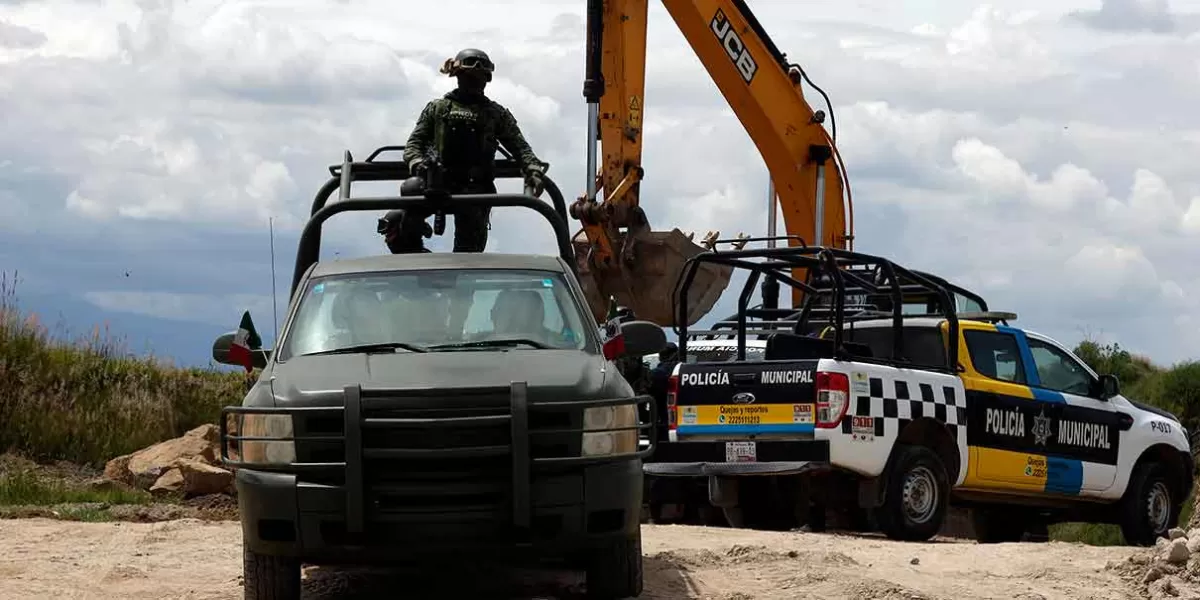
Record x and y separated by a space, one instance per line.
197 560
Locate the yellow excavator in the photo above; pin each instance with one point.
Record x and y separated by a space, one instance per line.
617 253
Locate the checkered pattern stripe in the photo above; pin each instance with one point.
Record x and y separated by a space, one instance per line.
893 405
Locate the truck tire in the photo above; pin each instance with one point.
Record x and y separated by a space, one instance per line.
270 577
916 496
616 571
1149 509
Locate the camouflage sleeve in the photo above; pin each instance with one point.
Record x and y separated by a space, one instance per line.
509 134
421 136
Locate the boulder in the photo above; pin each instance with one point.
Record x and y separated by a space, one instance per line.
192 477
171 482
144 468
1176 551
202 479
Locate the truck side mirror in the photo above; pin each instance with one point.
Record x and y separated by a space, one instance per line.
1110 386
220 352
643 337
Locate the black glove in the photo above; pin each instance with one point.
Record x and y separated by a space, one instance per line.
534 183
418 169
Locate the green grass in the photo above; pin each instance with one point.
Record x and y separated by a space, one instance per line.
22 488
84 399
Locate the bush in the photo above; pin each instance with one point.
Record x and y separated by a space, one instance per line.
85 400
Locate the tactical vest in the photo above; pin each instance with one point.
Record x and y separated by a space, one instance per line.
463 136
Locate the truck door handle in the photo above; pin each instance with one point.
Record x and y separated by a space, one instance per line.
1124 421
743 378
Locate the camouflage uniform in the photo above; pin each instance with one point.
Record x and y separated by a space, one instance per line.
466 128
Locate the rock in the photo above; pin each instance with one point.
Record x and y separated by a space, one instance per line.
117 469
1176 533
914 561
170 482
1193 543
1194 533
1153 574
202 479
143 468
1177 552
1163 588
192 477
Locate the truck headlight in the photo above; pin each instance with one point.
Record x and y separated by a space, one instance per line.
608 443
266 451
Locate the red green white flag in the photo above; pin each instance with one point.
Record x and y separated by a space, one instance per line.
245 342
611 338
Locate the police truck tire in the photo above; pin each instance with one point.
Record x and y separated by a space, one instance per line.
1149 508
269 577
616 571
916 496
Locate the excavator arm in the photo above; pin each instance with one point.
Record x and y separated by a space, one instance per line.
640 267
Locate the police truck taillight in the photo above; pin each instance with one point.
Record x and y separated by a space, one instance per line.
672 399
833 398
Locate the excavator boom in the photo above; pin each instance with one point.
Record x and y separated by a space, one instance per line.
640 267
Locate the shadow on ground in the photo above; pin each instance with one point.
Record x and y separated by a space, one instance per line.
664 580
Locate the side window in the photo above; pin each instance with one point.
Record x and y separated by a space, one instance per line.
995 355
1058 371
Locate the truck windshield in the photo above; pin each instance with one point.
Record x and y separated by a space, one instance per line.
440 310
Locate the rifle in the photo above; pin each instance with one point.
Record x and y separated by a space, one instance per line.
435 188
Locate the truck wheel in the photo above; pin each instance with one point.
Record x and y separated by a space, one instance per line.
616 571
1149 509
995 525
270 577
916 495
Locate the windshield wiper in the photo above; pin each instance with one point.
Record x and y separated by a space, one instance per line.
371 349
493 344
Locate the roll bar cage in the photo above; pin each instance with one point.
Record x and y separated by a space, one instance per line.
842 287
308 250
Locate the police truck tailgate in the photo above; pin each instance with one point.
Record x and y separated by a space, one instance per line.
742 401
751 418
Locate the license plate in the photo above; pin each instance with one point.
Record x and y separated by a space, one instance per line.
740 452
752 414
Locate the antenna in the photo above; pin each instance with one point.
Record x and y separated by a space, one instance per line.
274 301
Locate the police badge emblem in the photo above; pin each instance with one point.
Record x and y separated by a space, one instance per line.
1041 428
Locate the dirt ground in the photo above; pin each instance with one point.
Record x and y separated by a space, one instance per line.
201 560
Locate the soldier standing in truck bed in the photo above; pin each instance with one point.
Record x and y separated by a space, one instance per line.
464 127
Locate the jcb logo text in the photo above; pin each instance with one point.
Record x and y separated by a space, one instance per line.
734 46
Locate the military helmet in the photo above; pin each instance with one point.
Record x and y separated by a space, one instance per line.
393 217
469 59
473 58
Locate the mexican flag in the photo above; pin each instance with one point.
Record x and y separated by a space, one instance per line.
245 341
610 334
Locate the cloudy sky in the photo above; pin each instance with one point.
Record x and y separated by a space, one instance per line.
1043 153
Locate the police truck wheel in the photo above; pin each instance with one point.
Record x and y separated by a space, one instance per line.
269 577
916 495
616 571
1149 508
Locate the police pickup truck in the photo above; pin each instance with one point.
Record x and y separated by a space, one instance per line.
906 414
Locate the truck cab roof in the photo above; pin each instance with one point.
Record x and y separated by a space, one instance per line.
434 260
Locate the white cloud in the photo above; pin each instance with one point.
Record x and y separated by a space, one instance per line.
1050 166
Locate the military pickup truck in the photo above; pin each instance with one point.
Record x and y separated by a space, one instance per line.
420 406
866 403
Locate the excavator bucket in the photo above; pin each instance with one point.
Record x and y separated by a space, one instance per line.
648 286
